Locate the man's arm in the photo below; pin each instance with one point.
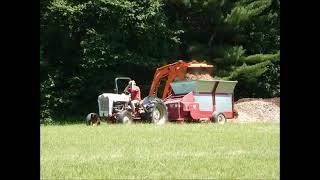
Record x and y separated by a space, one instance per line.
126 89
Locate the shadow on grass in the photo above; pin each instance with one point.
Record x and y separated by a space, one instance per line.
81 120
63 121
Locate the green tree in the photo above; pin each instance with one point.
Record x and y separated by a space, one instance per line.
85 44
235 36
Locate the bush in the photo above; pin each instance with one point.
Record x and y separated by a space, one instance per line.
269 83
257 58
248 79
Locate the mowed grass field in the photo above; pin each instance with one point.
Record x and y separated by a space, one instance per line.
172 151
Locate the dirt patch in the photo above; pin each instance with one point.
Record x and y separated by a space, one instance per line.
257 110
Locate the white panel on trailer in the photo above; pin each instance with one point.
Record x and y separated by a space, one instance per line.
223 102
205 101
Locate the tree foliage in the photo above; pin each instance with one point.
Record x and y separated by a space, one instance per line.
85 44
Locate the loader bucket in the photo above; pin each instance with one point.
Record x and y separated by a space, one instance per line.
195 66
199 71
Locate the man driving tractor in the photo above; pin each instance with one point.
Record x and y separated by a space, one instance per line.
134 90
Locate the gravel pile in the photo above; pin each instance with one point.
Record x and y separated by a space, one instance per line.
258 110
198 76
198 73
272 100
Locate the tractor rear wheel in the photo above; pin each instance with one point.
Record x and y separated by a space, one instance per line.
155 110
158 115
125 117
219 118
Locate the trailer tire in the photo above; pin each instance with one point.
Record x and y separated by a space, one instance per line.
125 117
219 118
93 119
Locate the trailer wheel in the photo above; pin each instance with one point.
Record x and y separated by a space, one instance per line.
93 119
125 117
219 118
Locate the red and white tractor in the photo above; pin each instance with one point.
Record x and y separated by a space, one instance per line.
182 100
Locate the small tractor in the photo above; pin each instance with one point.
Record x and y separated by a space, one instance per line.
115 107
183 100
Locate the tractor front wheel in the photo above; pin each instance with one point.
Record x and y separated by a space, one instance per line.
219 118
93 119
125 117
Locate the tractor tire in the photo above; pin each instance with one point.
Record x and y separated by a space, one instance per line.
125 117
159 114
219 118
156 112
93 119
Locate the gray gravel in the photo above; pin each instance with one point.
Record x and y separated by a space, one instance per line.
258 110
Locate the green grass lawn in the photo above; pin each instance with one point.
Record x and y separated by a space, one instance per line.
146 151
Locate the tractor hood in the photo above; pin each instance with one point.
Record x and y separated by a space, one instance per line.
106 100
203 86
116 97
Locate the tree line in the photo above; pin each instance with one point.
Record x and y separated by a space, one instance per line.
85 44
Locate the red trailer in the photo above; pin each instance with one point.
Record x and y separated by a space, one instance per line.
201 100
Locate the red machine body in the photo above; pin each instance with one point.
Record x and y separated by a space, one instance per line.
193 100
187 109
200 106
